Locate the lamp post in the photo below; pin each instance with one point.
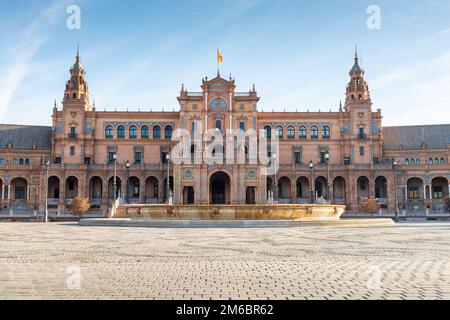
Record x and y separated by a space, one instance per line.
127 187
327 159
397 217
311 172
169 192
275 183
115 175
47 163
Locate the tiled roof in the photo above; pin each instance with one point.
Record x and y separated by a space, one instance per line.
413 137
24 137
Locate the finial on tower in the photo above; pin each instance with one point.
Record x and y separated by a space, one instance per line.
356 54
78 53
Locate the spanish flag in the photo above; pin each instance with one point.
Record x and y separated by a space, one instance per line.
219 57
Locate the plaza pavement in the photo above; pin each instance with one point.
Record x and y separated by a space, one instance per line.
67 261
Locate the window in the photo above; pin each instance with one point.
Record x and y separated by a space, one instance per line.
438 192
361 151
20 193
418 161
156 132
413 193
57 160
302 132
2 161
138 157
362 185
219 125
144 132
15 162
242 125
314 133
121 132
297 157
323 160
376 160
268 132
326 132
279 132
291 132
133 132
430 161
109 132
71 185
74 95
436 161
413 162
168 132
27 162
73 132
72 151
406 162
194 126
164 157
21 161
347 161
442 161
111 157
87 160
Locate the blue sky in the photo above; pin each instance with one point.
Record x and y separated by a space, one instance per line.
298 54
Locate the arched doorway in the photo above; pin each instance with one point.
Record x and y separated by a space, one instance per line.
362 188
381 192
321 188
439 194
71 187
95 192
134 190
19 189
53 188
303 190
219 188
151 190
1 191
111 188
339 190
284 190
415 194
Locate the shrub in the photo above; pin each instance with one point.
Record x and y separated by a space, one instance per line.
79 206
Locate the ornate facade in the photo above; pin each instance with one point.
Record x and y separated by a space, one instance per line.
352 154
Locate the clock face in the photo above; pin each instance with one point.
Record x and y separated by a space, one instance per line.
218 104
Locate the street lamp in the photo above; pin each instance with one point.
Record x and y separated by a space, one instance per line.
311 172
397 218
115 175
47 163
169 192
327 158
127 164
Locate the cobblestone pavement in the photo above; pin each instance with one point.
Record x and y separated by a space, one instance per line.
66 261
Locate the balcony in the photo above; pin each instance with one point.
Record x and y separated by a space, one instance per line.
362 136
72 136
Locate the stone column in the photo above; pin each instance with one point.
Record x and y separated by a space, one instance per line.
3 192
9 192
142 190
293 191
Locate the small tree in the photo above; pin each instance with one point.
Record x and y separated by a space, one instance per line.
79 206
369 205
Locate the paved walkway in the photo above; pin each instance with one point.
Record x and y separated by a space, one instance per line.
64 261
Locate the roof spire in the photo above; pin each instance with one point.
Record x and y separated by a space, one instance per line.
78 54
356 54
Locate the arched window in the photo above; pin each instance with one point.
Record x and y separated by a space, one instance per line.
21 162
279 132
219 125
413 162
156 132
168 132
314 133
436 161
326 132
442 161
407 162
418 161
121 132
291 132
15 162
430 161
133 132
2 161
109 132
27 162
302 132
268 132
144 132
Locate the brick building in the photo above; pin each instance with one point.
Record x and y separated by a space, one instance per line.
351 152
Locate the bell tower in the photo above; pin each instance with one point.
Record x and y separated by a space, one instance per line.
357 93
76 94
